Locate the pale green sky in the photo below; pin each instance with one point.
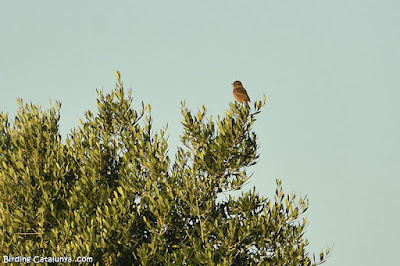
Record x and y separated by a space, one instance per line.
329 69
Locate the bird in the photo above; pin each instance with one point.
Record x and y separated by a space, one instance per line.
240 93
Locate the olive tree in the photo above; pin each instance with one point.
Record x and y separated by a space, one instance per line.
110 191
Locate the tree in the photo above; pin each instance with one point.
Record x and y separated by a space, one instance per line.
109 191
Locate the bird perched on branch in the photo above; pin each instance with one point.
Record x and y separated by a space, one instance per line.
240 93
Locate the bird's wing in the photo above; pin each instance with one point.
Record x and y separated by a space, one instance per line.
243 93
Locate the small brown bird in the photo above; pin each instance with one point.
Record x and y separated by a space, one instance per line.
240 93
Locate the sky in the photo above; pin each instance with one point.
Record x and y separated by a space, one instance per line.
329 70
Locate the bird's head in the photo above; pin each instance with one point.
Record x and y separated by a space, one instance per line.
237 83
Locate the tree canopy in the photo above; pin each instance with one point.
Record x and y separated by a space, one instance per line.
111 192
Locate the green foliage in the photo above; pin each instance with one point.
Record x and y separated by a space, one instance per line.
110 191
